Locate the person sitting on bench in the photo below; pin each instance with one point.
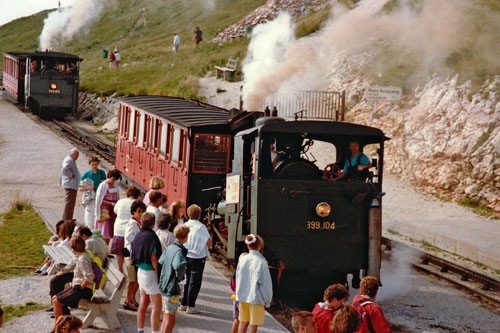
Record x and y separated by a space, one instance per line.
83 279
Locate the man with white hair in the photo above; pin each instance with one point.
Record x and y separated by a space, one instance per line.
70 178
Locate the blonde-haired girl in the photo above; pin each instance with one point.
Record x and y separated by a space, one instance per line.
156 183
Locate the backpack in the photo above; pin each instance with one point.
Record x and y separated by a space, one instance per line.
363 315
100 275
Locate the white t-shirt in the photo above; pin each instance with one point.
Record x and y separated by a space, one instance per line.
156 212
166 237
123 215
197 240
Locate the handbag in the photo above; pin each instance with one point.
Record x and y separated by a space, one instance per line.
125 252
105 215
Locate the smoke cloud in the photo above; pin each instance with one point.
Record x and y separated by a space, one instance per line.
426 35
61 25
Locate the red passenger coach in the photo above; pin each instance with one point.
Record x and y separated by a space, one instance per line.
14 70
186 143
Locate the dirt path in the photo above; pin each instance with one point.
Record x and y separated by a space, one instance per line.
30 159
219 92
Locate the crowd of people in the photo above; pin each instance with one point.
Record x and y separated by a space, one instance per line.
164 251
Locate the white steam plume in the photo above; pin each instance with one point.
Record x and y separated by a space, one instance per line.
61 25
268 45
428 34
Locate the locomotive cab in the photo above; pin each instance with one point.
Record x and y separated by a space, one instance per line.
52 83
316 230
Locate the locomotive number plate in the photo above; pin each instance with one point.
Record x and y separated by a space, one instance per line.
320 225
54 91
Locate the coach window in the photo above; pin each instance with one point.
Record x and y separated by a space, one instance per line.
131 130
211 153
156 135
163 139
176 141
126 120
140 135
121 117
152 145
182 156
147 132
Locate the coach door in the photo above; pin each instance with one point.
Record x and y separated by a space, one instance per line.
152 160
162 168
129 144
140 171
175 165
120 142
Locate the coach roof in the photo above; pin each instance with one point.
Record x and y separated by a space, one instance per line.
17 55
55 55
38 54
179 110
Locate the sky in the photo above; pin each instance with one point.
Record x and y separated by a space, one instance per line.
12 9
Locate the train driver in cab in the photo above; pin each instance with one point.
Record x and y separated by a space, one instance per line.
34 67
356 166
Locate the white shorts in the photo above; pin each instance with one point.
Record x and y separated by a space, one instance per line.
148 281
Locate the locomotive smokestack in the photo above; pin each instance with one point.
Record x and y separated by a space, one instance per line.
267 112
275 112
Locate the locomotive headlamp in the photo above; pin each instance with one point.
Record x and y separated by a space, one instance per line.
323 209
53 86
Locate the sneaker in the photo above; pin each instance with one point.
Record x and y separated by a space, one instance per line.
192 310
45 273
37 272
183 307
51 309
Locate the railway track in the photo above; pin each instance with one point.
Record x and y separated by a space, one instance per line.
84 140
479 285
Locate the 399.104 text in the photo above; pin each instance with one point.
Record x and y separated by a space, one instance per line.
320 225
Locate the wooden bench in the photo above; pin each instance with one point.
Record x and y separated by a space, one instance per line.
106 301
62 255
229 70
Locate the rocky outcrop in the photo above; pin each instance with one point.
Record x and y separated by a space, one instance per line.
268 12
445 138
99 110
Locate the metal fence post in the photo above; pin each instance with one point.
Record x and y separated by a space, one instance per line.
343 106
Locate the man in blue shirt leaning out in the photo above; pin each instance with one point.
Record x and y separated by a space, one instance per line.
356 166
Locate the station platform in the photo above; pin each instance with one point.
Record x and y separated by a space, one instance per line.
442 224
214 300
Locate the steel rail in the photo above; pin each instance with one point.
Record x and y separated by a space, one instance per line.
485 287
83 139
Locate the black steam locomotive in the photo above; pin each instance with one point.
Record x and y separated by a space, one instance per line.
47 83
316 231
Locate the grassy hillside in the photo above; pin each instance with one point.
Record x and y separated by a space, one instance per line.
143 29
146 48
21 34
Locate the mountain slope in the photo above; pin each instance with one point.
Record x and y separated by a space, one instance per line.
144 32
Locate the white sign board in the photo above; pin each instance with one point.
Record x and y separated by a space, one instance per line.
232 189
383 94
